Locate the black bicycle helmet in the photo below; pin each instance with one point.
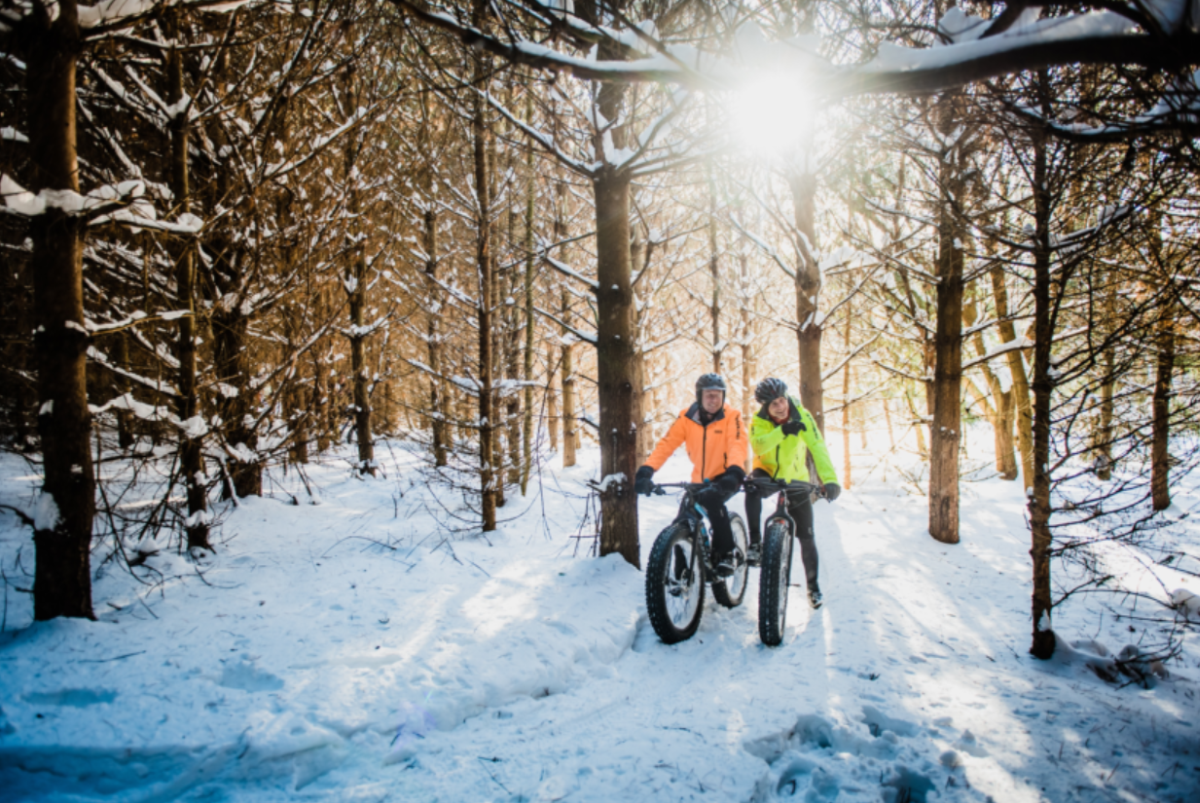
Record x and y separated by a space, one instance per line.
710 382
769 390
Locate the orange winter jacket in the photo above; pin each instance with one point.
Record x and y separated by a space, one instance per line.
712 448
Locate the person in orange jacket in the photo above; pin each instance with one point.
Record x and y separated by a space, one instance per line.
716 443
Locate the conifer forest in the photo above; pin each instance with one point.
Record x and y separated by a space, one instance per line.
466 259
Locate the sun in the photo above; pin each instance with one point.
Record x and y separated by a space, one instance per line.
772 115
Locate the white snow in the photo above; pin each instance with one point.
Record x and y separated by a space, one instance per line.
358 650
46 515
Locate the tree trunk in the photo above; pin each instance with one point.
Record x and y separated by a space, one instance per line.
1160 486
947 377
570 441
714 270
639 253
846 478
530 322
125 437
191 458
25 391
483 259
808 289
356 273
320 401
1001 416
1103 438
1020 382
618 379
1043 387
919 424
748 401
552 416
887 419
62 584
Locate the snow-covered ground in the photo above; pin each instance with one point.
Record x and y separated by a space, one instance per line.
357 650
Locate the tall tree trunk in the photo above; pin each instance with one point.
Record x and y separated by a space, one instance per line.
748 401
488 474
356 274
191 458
1001 416
714 271
639 252
1160 486
125 437
437 392
552 415
1103 438
320 401
62 584
530 322
1043 643
846 478
947 377
24 392
569 423
808 290
618 375
1020 381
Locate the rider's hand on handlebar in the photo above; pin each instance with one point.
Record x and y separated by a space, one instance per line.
832 491
644 482
731 481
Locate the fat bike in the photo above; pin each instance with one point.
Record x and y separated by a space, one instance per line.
681 563
777 549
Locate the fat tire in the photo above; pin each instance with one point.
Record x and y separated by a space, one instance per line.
657 569
773 582
721 586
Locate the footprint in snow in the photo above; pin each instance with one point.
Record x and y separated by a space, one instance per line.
876 756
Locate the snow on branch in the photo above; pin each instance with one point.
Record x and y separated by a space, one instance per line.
765 248
1020 343
661 67
584 336
136 318
592 284
113 15
833 371
540 137
465 384
1016 41
123 203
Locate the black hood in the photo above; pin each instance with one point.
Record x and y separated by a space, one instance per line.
697 414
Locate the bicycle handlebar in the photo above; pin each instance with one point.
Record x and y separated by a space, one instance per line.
771 485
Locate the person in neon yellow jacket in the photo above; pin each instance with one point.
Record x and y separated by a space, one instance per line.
782 433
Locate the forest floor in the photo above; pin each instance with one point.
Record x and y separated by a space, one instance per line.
360 649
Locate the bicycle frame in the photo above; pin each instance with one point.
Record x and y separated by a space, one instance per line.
766 486
693 512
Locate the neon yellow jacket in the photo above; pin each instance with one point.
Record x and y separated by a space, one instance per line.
784 457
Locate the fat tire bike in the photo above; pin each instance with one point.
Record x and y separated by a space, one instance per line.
681 563
776 563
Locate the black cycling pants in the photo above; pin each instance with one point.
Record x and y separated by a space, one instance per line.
713 500
800 509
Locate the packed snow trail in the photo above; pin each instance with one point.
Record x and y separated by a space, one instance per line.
352 650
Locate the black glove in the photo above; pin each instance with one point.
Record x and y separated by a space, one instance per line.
832 491
643 483
731 480
792 427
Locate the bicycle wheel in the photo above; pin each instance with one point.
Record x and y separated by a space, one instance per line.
675 584
773 582
729 590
